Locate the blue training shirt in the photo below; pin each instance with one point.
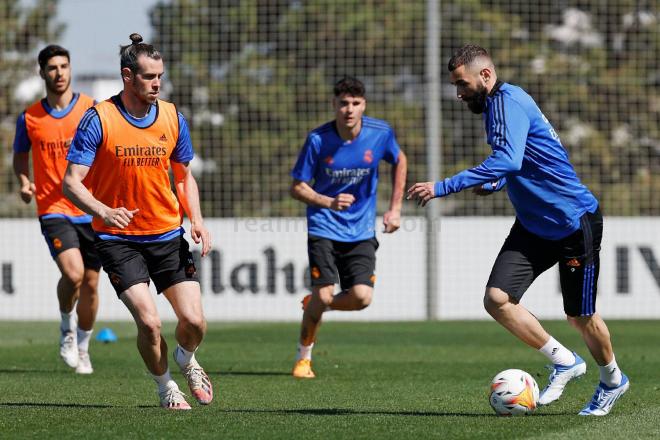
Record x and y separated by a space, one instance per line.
351 167
529 158
89 136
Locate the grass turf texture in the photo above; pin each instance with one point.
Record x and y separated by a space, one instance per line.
374 380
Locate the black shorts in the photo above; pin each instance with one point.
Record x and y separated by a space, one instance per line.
524 256
61 234
354 262
128 263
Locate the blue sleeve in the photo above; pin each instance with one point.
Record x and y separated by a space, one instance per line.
495 185
508 150
88 137
392 149
21 140
305 167
183 152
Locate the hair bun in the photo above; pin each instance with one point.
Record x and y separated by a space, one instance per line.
136 38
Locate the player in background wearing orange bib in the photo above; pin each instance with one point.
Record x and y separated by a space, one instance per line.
123 150
46 128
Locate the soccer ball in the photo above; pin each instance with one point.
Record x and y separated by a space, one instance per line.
513 392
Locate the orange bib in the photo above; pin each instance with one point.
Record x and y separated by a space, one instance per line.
50 139
130 169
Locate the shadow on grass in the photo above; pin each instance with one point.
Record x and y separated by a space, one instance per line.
55 405
248 373
350 412
33 370
287 412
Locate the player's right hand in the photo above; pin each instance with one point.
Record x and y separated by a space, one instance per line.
27 191
342 202
118 217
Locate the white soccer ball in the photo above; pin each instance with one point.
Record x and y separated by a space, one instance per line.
513 392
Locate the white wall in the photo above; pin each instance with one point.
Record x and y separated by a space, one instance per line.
468 248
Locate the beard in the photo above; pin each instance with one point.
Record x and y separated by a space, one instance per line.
477 102
58 90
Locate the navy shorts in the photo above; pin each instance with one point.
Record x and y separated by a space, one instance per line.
128 263
353 262
524 256
61 234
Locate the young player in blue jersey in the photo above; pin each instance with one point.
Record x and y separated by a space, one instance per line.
557 221
341 159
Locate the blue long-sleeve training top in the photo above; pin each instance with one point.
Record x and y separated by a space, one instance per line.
528 156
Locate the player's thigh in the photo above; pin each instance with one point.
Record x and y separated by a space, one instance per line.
322 261
60 235
356 263
170 262
123 262
579 266
70 263
522 258
88 250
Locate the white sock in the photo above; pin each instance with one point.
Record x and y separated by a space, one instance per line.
183 357
83 339
557 353
165 381
68 322
610 374
304 351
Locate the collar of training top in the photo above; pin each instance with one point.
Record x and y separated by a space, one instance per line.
495 88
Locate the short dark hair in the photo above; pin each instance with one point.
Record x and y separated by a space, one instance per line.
465 55
129 54
349 85
50 51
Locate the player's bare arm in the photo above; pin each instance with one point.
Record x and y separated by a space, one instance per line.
392 218
77 192
188 195
21 164
422 192
302 191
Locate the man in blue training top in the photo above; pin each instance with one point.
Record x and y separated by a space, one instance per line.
341 158
557 221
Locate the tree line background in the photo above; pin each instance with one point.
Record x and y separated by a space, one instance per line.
253 77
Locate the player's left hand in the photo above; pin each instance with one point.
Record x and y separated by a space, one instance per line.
423 192
199 233
391 221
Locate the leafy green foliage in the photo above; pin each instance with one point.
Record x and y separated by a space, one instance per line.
267 68
25 29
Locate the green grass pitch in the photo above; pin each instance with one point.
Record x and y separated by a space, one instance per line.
375 380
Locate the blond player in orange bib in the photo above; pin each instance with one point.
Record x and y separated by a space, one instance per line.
46 128
123 150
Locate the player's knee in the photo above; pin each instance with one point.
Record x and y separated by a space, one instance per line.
362 295
73 277
590 324
326 298
573 321
149 327
194 324
495 299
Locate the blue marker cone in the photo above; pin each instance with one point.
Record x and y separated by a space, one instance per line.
106 335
